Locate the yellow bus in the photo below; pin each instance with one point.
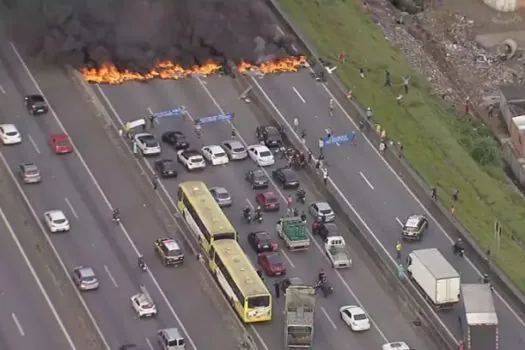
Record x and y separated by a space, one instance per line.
203 215
240 282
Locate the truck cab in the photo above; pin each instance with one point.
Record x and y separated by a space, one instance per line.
335 249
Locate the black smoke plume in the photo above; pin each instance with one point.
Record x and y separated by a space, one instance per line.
134 34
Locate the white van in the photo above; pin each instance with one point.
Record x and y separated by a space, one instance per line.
170 339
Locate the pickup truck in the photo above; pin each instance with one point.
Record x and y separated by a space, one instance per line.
293 231
335 249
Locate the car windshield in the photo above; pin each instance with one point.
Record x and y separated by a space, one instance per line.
63 143
272 132
196 159
326 211
168 165
239 149
31 172
331 227
360 317
37 99
265 154
290 175
263 238
179 137
259 175
88 277
222 195
150 142
174 252
11 133
220 154
259 301
59 221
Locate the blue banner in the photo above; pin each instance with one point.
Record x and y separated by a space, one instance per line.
338 139
175 112
215 118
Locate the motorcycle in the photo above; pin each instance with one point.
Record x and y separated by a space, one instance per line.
258 217
248 218
116 219
142 264
325 287
301 197
458 250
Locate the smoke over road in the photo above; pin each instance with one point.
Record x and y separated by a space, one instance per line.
135 34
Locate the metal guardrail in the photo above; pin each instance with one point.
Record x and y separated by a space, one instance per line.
418 186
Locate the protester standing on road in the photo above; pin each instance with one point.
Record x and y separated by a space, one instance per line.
155 181
152 121
369 114
277 289
321 147
434 193
296 123
331 106
399 247
325 175
388 82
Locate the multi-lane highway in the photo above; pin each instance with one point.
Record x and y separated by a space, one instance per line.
381 200
132 101
183 296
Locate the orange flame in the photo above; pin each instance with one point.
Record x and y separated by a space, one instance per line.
110 74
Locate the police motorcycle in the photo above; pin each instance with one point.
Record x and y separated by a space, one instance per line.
323 285
141 263
247 215
300 195
116 216
457 248
258 215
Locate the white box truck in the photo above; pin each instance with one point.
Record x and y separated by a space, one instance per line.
480 317
435 277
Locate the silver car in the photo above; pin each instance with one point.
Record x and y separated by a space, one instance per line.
235 150
222 196
322 211
29 173
85 278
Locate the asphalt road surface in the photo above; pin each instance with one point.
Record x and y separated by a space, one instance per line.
131 101
26 318
381 200
182 295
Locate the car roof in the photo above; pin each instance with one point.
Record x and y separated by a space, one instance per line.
170 244
413 220
56 214
268 194
219 189
85 271
9 127
323 205
191 152
234 143
259 171
262 233
354 309
171 333
214 148
272 255
36 97
260 148
398 345
166 160
30 166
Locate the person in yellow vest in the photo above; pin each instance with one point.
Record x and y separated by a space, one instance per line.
399 247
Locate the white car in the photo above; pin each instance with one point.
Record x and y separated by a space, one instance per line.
398 345
143 304
56 221
235 149
215 155
191 159
261 155
147 144
9 134
355 318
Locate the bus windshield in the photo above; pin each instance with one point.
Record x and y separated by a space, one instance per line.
258 301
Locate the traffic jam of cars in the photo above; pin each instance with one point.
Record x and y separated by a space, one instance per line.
173 153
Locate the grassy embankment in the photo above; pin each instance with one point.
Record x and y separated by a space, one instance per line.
448 151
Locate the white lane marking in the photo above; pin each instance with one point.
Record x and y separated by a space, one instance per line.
366 180
281 250
33 143
316 116
298 94
2 89
149 344
55 280
68 202
31 268
18 325
283 197
361 220
108 204
110 275
328 317
399 222
396 175
279 29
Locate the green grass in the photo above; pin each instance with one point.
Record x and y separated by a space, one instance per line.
448 151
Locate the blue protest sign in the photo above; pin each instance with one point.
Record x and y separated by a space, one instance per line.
175 112
338 139
214 118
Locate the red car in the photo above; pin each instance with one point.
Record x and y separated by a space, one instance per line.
272 263
60 143
268 201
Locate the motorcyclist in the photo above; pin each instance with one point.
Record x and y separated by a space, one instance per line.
141 262
303 216
458 246
246 212
485 278
321 276
258 212
295 212
116 214
315 225
301 194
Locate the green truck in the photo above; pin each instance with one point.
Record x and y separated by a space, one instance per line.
293 231
299 317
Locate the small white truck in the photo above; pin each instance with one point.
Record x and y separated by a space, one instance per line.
335 249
